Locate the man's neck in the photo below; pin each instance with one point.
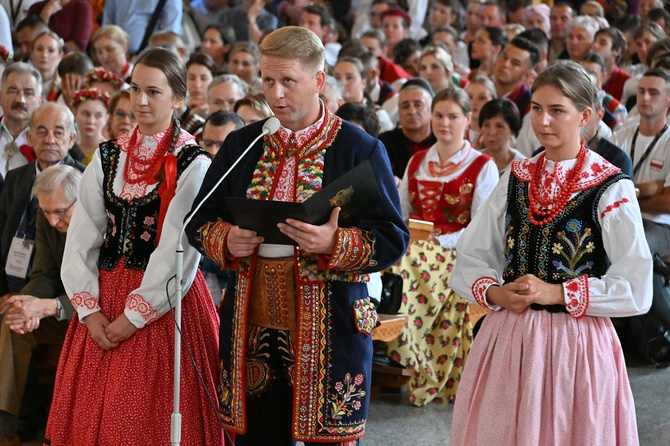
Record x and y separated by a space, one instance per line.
652 126
15 127
502 88
610 67
416 135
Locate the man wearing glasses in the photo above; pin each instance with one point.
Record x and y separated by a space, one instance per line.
40 314
217 126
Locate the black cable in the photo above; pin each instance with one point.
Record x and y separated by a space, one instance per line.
195 366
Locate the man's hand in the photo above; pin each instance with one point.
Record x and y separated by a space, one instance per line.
242 242
5 305
310 238
121 329
26 311
96 324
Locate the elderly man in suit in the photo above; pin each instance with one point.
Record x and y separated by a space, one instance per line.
52 133
41 313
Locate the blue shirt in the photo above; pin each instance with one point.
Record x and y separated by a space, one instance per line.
134 16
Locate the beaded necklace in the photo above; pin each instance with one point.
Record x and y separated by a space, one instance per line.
138 170
561 199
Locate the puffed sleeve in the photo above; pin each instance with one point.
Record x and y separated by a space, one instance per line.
480 249
149 302
79 271
626 288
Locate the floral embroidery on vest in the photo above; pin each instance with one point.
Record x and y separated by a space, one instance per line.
571 246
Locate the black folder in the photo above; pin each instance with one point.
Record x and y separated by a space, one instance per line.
356 193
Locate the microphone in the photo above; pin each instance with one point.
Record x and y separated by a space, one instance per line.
270 127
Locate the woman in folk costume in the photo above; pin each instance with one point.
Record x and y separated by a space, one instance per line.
114 382
446 184
555 252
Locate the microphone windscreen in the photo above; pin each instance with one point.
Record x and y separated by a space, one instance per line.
271 126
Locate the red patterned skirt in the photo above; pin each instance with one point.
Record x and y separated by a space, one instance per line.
125 395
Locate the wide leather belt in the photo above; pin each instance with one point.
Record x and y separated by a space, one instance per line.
272 302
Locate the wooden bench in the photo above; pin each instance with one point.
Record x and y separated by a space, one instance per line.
389 376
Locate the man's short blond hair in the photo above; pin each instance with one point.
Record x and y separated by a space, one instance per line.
295 42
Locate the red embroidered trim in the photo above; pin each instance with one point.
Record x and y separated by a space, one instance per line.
577 296
479 289
136 302
613 206
213 236
86 300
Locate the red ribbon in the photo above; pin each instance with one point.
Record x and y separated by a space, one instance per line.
166 189
28 153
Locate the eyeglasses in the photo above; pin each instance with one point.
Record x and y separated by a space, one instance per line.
59 212
120 114
206 143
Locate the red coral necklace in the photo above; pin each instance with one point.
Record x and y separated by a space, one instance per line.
561 199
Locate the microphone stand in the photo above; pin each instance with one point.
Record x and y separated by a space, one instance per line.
269 128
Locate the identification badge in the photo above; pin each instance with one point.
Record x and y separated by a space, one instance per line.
18 260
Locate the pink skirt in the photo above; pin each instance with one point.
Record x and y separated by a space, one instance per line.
539 378
125 395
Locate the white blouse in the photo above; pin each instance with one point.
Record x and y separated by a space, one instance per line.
486 182
625 289
89 222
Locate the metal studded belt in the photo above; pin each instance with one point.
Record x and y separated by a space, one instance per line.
272 302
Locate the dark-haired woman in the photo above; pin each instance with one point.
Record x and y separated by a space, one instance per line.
200 70
500 123
486 47
555 252
114 382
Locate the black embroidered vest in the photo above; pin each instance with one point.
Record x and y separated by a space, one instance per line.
566 248
132 224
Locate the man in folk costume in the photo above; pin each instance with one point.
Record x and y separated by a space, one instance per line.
303 372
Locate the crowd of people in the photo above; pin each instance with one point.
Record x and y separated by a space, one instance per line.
532 135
